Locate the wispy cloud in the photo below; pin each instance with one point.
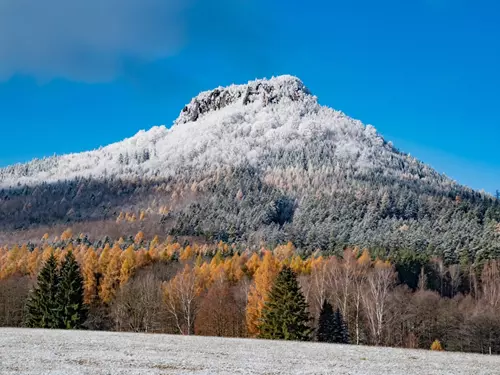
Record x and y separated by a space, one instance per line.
86 40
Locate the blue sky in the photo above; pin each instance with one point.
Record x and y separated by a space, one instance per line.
77 75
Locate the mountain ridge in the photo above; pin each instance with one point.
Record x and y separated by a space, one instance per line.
260 93
261 162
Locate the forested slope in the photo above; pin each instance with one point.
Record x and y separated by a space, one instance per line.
260 162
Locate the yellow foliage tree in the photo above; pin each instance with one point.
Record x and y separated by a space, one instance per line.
263 281
89 269
139 237
111 278
128 265
252 264
104 259
187 253
34 261
67 235
365 258
436 346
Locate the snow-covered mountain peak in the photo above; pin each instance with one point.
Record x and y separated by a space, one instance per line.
272 125
268 91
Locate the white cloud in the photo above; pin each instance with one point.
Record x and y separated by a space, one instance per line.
86 40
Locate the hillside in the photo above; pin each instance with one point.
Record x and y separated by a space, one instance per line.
80 352
259 162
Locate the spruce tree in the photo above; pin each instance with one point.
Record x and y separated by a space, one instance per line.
340 332
41 307
285 316
326 324
71 310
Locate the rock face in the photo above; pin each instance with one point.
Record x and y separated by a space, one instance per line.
267 91
260 162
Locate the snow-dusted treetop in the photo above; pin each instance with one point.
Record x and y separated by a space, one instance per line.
267 124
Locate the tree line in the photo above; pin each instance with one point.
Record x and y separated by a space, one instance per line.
358 296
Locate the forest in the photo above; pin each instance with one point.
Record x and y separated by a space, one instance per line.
249 164
365 296
243 206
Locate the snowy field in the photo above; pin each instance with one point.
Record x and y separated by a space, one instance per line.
24 351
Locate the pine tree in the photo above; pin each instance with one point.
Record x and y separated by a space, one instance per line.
326 323
71 310
285 315
340 332
41 307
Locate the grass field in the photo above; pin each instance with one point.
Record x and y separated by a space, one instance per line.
24 351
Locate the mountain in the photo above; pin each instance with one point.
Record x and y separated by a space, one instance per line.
259 162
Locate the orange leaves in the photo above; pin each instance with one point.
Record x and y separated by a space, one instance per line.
111 276
89 270
365 258
67 235
252 264
128 260
139 237
187 253
219 272
436 346
380 264
104 259
264 278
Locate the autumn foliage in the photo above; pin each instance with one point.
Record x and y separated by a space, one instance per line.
436 346
161 285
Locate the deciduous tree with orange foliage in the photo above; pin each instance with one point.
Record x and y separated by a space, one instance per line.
264 278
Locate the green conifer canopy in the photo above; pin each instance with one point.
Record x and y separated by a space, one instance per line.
285 315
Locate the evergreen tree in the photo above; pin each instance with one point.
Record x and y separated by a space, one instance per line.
285 316
71 311
331 326
340 332
41 307
326 323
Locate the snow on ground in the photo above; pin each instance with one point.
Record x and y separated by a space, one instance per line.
24 351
